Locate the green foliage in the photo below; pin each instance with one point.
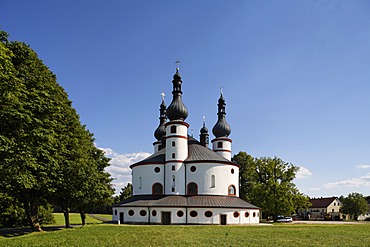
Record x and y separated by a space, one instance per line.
354 204
11 214
267 183
126 192
131 235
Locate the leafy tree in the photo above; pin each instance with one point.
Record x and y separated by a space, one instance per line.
354 204
11 214
126 192
267 183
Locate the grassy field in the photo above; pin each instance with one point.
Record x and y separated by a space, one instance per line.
74 219
135 235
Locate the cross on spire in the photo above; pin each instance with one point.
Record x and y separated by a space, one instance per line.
177 63
163 95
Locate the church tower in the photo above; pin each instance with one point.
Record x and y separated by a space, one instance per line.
176 141
160 132
222 143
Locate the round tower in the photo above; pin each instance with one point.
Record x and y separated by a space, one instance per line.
204 137
160 132
176 140
222 143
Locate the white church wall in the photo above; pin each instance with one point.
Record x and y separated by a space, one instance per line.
144 176
223 178
175 178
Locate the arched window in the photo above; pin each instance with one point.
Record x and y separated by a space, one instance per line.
173 143
213 181
232 190
192 189
173 155
140 182
157 189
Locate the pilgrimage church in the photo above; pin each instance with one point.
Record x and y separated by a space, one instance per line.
184 181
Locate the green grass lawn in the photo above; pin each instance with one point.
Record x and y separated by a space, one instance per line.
136 235
74 219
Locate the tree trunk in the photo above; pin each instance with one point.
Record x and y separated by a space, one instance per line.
83 217
32 210
66 217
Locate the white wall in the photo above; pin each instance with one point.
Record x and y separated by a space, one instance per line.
148 178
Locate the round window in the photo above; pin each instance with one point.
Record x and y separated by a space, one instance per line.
142 212
193 213
131 212
208 214
180 213
154 213
157 169
232 171
236 214
193 169
246 214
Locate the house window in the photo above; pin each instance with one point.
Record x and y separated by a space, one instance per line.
213 181
236 214
173 168
180 213
142 212
192 189
219 144
208 214
173 155
157 169
193 213
115 212
173 129
131 212
246 214
232 191
173 143
332 210
140 182
334 203
157 189
193 169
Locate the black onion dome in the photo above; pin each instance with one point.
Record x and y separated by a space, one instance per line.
204 129
221 128
161 130
177 110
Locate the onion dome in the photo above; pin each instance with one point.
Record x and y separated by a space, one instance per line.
221 128
204 137
177 110
161 130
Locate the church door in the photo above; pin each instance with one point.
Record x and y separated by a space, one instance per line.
166 218
121 218
223 219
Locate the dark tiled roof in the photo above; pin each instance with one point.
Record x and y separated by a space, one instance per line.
197 153
185 201
321 202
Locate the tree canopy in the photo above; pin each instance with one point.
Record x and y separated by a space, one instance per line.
267 183
354 204
46 153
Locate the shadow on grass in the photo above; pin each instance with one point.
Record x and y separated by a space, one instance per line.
16 232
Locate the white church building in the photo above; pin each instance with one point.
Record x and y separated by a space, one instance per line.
184 181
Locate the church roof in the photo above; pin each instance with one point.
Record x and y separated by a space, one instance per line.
197 154
199 201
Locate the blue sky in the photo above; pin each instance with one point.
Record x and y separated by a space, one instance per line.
295 76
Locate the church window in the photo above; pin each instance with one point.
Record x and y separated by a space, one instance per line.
173 183
173 155
219 144
131 212
142 212
173 168
192 189
213 181
140 182
115 212
246 214
159 147
173 189
157 189
236 214
157 169
193 213
232 191
180 213
173 129
173 143
154 213
232 171
254 214
193 169
208 214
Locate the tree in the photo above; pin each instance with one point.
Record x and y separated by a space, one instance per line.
354 204
126 192
267 183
